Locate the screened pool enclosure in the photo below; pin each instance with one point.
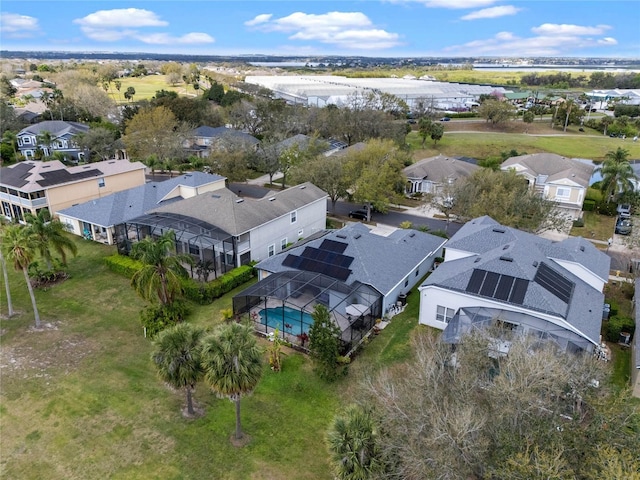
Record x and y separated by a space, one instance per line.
284 302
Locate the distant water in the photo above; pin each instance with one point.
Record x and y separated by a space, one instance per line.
284 64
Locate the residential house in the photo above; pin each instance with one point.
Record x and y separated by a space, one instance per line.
360 276
205 140
97 219
430 174
563 180
528 284
30 139
32 185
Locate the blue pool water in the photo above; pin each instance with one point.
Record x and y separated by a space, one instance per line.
287 320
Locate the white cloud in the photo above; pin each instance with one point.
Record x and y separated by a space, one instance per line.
121 17
124 23
493 12
13 25
552 40
565 29
450 4
353 30
263 18
166 39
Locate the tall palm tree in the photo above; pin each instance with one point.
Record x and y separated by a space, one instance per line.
50 236
159 278
354 445
617 173
7 289
45 139
19 247
12 139
232 364
177 358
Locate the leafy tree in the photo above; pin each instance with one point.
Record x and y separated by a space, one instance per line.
11 139
232 364
159 278
176 356
528 117
129 93
101 143
19 247
617 174
8 118
49 235
232 165
424 129
354 444
7 90
216 92
153 132
326 173
324 343
45 139
496 111
437 131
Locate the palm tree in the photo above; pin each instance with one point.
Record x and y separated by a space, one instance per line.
617 173
19 247
160 276
10 311
177 358
232 364
12 139
354 444
50 236
45 139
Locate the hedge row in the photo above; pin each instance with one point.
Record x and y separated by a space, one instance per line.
202 293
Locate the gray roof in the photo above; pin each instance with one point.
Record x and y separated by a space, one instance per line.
554 166
381 262
57 128
120 207
507 251
236 215
439 168
223 132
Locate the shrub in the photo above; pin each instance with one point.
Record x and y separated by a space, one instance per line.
616 325
588 206
614 308
156 318
123 265
606 208
578 223
41 275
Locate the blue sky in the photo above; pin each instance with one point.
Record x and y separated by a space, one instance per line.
386 28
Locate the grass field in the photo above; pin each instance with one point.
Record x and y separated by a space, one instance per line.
146 88
596 226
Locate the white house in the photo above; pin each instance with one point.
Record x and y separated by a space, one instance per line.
530 284
563 180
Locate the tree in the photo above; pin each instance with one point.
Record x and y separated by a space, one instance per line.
10 138
424 129
354 444
7 289
101 143
49 236
176 356
159 278
507 198
153 131
324 343
496 111
129 93
528 117
45 139
18 245
232 364
437 131
617 174
326 173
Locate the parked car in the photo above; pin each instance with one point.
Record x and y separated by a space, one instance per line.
624 210
359 214
623 226
445 119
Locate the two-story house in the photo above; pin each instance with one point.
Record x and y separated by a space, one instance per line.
563 180
205 140
51 136
29 186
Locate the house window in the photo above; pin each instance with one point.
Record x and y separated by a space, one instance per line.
417 272
300 233
444 314
26 140
283 244
563 192
406 282
101 182
294 216
272 250
194 249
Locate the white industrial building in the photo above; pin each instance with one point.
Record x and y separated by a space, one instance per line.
323 90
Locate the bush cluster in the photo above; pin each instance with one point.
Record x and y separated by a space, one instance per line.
618 324
156 318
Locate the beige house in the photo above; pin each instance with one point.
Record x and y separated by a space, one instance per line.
30 186
563 180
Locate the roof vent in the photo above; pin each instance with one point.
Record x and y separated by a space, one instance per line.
272 199
412 234
215 196
112 162
506 259
477 260
505 247
499 230
87 167
535 263
340 235
357 235
582 248
302 187
240 200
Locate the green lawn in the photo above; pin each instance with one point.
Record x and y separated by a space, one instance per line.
596 226
146 88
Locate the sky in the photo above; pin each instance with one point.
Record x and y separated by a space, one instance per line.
370 28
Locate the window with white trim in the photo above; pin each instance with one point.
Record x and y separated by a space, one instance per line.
101 182
563 192
444 314
283 243
294 216
272 250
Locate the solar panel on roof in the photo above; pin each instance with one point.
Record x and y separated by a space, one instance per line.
505 285
489 285
333 246
475 282
519 291
554 283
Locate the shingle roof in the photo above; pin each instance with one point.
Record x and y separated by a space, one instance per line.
223 132
439 168
236 215
57 128
120 207
554 166
507 251
379 261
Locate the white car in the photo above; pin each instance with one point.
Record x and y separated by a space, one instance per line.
624 210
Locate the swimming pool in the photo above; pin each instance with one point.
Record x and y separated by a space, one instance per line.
286 319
